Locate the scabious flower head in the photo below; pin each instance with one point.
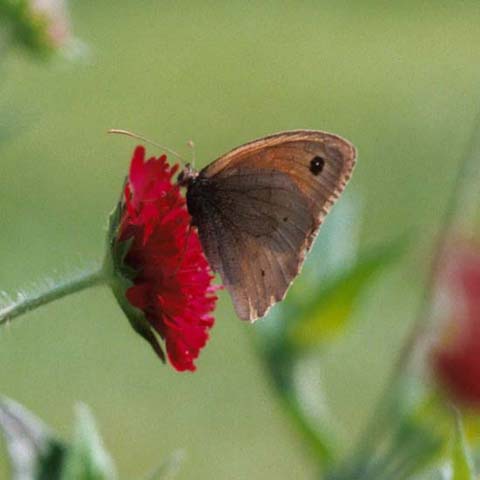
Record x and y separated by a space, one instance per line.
456 357
159 263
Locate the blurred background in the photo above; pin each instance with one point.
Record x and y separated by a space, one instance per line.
398 79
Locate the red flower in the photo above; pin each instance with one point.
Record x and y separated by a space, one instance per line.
163 258
456 360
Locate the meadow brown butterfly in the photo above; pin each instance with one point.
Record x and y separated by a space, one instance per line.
258 209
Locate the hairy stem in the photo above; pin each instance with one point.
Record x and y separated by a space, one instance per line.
27 302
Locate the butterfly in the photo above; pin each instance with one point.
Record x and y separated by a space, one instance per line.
259 207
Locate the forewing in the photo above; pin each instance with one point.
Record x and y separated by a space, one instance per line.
261 207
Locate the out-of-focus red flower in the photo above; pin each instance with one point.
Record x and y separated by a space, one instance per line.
456 358
171 282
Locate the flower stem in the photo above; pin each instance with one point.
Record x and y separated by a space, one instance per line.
26 302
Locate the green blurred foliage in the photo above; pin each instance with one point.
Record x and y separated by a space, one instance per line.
21 26
318 309
87 459
35 453
333 304
400 80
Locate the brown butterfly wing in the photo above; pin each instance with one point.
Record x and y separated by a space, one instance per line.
258 209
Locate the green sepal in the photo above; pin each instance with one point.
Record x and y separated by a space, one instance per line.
114 223
118 250
135 316
121 278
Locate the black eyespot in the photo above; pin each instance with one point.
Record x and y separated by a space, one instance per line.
263 273
285 219
316 165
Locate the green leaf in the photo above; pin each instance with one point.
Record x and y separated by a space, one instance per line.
87 458
328 312
35 452
461 461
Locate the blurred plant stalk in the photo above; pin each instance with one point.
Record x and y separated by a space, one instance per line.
428 417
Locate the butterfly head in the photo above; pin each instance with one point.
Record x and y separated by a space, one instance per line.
186 176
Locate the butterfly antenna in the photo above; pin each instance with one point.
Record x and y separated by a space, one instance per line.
147 140
194 155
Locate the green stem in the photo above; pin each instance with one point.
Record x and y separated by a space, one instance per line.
30 302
